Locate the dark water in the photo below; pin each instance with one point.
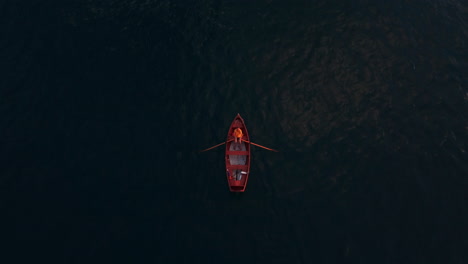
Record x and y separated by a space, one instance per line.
105 104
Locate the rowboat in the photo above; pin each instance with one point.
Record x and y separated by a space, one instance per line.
237 157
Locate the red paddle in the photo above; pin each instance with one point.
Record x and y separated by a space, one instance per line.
260 146
216 145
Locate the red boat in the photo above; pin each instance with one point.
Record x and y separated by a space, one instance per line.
237 157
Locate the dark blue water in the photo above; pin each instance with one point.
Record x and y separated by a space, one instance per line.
105 105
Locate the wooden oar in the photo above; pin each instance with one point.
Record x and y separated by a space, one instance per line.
216 145
260 146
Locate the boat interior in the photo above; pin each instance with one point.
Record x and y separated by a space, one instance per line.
237 157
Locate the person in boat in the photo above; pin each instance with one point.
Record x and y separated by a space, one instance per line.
237 135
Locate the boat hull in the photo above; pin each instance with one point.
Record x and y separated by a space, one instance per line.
237 157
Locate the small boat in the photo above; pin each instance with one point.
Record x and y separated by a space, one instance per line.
237 157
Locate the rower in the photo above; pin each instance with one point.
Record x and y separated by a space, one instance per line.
237 135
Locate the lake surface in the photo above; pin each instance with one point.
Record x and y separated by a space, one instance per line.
106 104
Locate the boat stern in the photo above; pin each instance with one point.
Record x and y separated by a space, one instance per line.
236 186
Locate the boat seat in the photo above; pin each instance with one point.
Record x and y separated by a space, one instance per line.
243 137
238 167
243 153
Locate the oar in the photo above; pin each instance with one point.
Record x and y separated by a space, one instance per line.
216 145
260 146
